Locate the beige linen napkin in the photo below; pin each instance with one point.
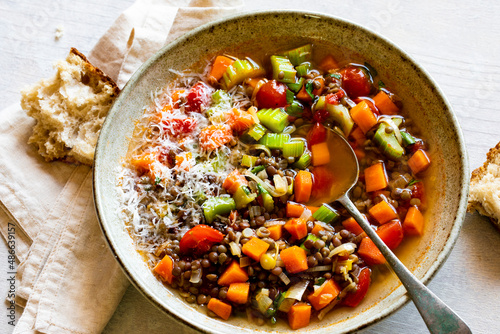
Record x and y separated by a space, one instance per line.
67 279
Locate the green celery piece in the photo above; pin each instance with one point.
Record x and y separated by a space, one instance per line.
283 70
297 85
293 148
257 131
248 160
221 99
300 54
309 237
274 141
217 206
295 108
289 190
326 214
407 138
267 199
242 197
257 169
240 70
303 69
304 160
338 113
388 143
275 120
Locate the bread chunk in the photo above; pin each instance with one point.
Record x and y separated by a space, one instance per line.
484 195
69 109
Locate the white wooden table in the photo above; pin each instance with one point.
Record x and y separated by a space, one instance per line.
457 42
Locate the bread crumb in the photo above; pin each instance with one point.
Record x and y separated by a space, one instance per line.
59 32
70 109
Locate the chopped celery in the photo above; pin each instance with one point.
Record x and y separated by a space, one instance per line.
295 108
304 160
274 140
217 206
274 119
338 113
311 237
256 131
267 199
303 69
407 138
388 143
283 69
293 148
248 160
300 54
297 85
240 70
221 99
326 214
289 190
257 169
242 197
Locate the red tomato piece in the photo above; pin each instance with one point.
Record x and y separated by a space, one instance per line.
177 127
199 97
200 239
320 116
334 98
323 180
391 233
352 299
355 81
418 190
272 94
316 135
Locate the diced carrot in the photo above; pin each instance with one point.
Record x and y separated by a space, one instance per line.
384 104
317 227
220 308
304 96
376 177
358 135
313 209
184 160
328 63
324 295
383 212
233 181
297 227
254 248
414 222
219 67
239 120
214 136
299 315
363 116
176 96
294 210
233 274
391 233
320 154
143 162
275 231
352 225
295 259
164 269
369 252
419 161
302 186
238 292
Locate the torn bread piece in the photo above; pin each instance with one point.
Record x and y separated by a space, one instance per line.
69 109
484 195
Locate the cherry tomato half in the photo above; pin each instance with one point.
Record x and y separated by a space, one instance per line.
272 94
177 127
200 239
316 135
353 299
355 81
199 96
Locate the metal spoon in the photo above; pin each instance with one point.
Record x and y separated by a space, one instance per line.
438 317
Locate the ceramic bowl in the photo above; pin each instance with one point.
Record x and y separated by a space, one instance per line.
424 102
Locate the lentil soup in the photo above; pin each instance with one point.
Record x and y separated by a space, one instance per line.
223 184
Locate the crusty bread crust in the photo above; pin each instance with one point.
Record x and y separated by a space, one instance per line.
484 196
69 109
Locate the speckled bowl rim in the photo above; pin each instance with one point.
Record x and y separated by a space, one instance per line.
465 175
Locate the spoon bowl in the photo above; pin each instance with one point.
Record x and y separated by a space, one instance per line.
438 317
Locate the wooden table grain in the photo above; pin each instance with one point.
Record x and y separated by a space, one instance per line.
457 42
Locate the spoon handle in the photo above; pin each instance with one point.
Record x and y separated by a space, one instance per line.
438 317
